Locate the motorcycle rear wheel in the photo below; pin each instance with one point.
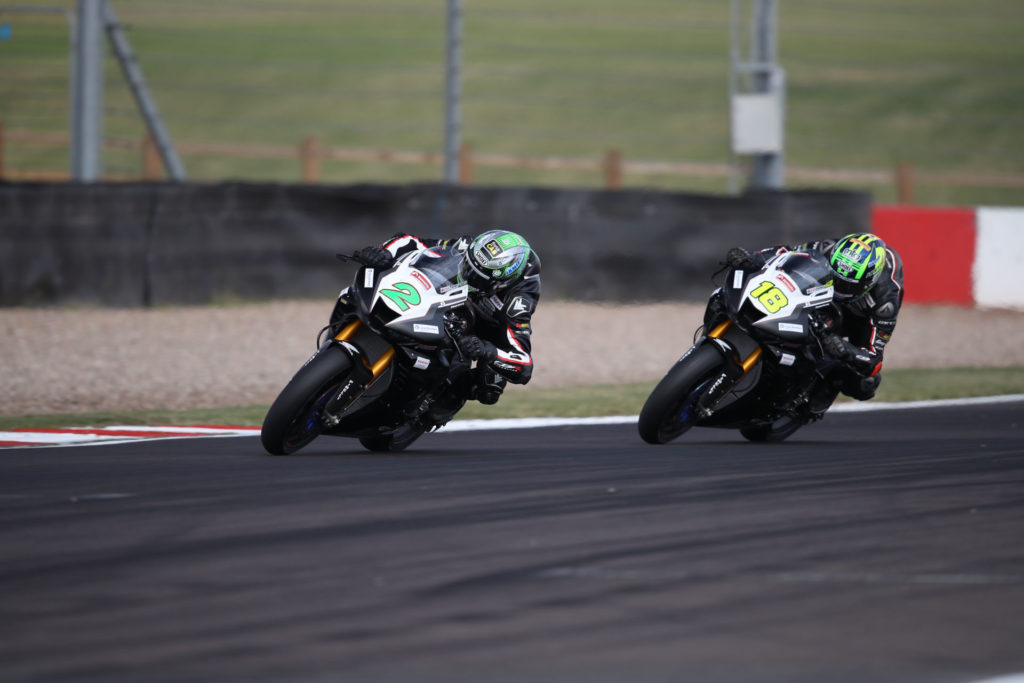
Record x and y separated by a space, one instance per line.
295 418
670 409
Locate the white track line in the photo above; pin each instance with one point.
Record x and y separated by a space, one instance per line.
858 407
169 432
864 406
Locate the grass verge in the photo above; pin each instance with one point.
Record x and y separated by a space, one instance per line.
606 399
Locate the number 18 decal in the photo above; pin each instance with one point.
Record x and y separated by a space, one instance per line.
770 296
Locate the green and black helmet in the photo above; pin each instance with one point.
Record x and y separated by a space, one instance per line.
857 262
494 260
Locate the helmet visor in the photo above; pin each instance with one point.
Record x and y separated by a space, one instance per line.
847 290
477 279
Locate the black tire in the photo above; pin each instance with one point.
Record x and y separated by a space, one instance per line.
780 430
668 410
398 441
294 418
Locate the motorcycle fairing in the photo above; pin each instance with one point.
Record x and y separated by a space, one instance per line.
412 296
777 299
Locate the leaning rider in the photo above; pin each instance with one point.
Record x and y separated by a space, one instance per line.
868 289
503 274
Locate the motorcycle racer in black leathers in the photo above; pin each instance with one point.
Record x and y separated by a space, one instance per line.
868 289
503 274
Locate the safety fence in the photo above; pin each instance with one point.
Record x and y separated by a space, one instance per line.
612 167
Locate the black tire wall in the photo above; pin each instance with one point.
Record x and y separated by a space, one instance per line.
145 244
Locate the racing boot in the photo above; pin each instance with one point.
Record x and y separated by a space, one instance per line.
822 395
861 388
451 400
488 387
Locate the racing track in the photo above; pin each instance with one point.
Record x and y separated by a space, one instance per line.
882 546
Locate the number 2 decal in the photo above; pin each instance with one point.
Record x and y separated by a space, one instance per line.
770 296
403 295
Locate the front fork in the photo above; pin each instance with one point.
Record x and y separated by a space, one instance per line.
736 368
364 373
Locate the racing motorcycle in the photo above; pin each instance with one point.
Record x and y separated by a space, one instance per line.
758 358
387 368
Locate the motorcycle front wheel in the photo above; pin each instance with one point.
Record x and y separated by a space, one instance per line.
670 410
296 417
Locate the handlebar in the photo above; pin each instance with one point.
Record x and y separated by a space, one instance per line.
354 257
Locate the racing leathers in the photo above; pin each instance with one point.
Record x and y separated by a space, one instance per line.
867 325
500 337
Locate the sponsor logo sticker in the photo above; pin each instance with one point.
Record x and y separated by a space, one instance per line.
518 306
786 281
426 329
790 327
423 280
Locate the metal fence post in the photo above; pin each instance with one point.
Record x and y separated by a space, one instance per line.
767 168
757 88
453 92
87 92
137 84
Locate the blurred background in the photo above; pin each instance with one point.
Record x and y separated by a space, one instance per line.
915 101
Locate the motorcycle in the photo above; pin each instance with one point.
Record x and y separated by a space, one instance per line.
758 359
388 369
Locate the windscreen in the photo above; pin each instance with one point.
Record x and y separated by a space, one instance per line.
808 269
440 265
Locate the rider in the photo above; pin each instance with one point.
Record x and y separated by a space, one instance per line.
868 288
503 274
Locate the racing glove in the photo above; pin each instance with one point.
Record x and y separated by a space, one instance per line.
475 348
858 358
739 258
836 346
375 257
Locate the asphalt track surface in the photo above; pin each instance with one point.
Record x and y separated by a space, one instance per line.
883 546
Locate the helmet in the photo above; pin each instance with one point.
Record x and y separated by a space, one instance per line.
494 260
857 262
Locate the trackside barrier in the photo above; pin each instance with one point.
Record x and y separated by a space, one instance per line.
142 244
965 256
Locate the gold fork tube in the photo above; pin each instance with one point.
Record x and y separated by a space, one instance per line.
751 360
720 329
349 330
383 362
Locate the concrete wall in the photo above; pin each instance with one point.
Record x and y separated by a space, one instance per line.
159 243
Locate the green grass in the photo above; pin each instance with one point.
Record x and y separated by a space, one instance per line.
871 83
618 399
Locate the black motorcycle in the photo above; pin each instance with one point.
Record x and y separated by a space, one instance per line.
759 360
388 369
